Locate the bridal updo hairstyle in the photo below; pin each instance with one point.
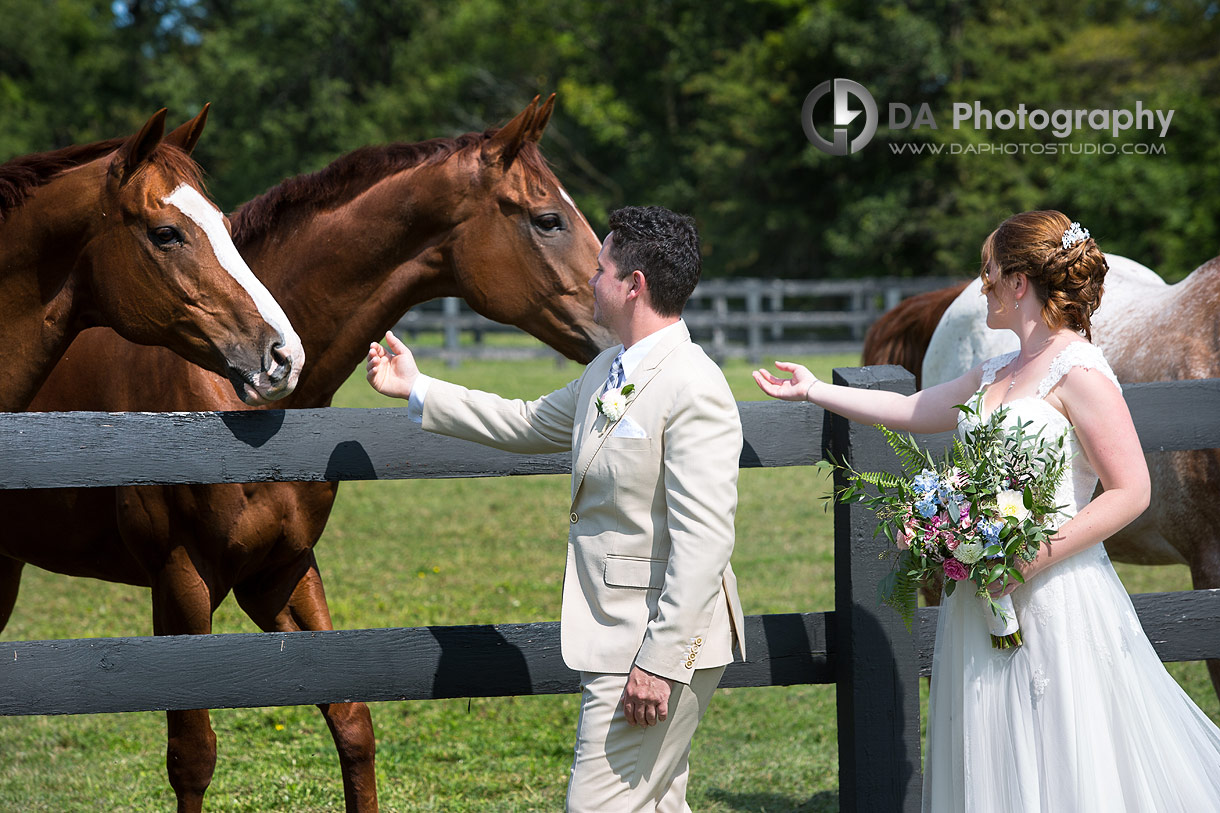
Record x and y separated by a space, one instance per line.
1068 281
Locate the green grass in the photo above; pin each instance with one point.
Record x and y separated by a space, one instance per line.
411 553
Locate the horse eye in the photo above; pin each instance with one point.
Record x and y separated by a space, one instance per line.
165 236
549 222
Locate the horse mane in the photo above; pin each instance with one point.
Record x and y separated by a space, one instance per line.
902 333
21 176
350 175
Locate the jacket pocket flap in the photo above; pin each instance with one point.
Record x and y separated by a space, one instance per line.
635 571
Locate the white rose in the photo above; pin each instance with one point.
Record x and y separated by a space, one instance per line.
1012 504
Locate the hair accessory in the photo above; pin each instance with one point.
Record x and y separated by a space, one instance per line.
1074 235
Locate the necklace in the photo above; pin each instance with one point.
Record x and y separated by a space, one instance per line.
1027 362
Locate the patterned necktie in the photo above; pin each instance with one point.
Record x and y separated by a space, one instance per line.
615 379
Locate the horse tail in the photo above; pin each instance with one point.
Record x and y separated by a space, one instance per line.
902 334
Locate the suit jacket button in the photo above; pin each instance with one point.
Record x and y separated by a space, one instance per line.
574 517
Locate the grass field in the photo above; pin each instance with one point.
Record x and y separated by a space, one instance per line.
413 553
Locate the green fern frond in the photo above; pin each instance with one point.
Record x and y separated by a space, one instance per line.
880 479
913 457
900 590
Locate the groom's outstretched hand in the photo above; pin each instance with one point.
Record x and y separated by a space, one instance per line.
391 369
646 697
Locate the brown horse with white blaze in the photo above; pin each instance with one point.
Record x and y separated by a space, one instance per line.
120 233
347 250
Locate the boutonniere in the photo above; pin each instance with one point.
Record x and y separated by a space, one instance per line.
613 402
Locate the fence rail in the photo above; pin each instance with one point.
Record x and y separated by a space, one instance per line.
860 646
731 318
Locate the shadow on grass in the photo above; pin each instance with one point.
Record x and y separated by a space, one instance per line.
826 801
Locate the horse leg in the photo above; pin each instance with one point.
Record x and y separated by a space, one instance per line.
1205 575
295 600
10 581
182 606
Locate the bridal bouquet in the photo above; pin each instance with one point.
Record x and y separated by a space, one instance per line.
971 517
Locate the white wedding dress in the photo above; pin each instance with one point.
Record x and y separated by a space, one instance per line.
1083 717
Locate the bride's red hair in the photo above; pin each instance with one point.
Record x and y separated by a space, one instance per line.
1067 281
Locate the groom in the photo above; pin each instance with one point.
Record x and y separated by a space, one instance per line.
650 609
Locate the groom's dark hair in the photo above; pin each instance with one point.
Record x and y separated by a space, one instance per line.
664 246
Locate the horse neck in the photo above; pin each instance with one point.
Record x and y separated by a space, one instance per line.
44 281
346 275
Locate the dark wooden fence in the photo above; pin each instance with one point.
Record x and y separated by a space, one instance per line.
861 647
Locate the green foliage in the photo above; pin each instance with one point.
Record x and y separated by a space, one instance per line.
664 102
913 457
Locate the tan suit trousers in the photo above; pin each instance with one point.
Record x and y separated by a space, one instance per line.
621 768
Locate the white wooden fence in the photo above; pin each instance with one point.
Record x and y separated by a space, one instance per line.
755 319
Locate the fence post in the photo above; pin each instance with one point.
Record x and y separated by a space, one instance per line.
754 328
893 296
451 307
877 673
861 302
720 307
776 300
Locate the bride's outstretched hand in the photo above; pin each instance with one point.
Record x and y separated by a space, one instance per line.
795 388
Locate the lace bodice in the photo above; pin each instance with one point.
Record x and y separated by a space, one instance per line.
1076 354
1080 481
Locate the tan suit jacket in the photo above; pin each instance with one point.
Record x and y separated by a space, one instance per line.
648 580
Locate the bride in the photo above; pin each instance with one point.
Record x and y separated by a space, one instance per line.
1083 716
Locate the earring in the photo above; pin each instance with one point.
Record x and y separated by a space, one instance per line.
1016 306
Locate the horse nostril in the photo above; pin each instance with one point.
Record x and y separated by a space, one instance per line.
281 363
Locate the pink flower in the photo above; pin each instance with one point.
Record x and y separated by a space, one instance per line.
906 536
955 570
950 539
964 519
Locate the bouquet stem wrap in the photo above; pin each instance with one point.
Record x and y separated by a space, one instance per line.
1002 622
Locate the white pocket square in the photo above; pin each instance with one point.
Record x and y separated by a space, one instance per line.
627 428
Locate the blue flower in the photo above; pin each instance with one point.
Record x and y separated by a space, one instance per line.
927 507
926 481
948 495
990 529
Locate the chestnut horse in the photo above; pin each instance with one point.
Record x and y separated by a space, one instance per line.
902 333
119 233
1149 331
348 250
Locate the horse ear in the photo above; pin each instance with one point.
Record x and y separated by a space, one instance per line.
186 135
137 149
541 120
502 148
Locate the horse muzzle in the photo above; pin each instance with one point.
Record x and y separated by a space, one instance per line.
275 377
